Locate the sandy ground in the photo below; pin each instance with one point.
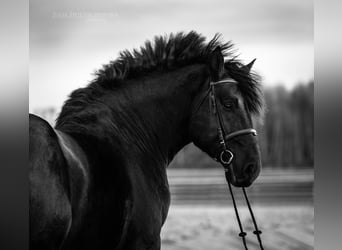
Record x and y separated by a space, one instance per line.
216 228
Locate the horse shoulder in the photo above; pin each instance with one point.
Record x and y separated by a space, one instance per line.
50 209
78 169
149 206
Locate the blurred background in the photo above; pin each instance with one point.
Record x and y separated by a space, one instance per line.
70 40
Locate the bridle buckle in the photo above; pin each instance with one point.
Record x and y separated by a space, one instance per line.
226 157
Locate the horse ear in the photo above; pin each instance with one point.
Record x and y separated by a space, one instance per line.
249 66
216 63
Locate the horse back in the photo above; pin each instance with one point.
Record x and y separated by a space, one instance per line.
50 208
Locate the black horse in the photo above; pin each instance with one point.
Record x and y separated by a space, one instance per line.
98 179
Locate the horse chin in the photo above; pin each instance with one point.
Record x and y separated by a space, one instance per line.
242 183
236 181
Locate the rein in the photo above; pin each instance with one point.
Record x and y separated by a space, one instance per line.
226 158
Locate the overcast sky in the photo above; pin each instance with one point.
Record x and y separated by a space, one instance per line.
71 39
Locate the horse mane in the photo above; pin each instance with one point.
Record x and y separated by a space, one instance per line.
166 53
248 85
177 50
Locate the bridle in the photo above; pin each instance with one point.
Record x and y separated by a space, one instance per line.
226 156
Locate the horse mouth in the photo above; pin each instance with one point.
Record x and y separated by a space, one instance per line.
237 181
240 182
243 183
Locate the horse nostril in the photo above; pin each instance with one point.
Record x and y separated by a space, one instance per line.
250 169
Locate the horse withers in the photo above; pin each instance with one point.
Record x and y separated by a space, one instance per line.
98 178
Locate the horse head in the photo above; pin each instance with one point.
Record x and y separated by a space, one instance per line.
221 121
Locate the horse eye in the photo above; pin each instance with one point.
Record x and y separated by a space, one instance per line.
228 105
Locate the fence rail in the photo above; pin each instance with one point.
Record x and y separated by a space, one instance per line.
208 186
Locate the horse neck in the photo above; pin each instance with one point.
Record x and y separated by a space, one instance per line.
153 114
144 123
